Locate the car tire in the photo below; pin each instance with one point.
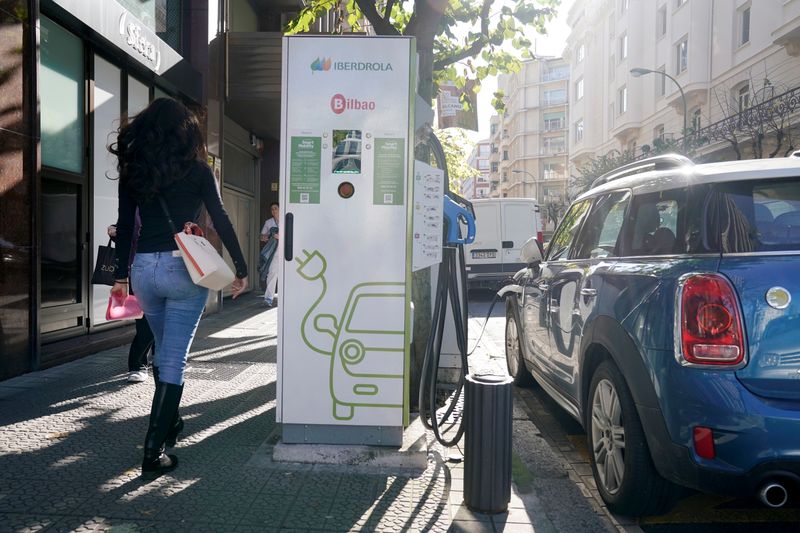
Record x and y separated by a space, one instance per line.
618 449
515 363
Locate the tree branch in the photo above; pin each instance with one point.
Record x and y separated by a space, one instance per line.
381 25
387 13
473 49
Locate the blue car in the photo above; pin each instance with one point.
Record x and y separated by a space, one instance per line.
664 316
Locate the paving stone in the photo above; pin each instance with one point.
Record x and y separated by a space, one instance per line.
71 446
24 523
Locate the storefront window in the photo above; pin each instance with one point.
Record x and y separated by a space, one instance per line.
60 251
61 95
161 16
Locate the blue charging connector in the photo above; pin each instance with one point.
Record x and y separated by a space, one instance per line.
453 214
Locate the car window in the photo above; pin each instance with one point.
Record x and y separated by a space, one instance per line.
653 224
563 238
600 233
753 216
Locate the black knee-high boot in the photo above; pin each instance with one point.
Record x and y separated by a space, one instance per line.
165 404
177 422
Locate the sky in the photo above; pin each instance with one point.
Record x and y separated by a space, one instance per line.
551 44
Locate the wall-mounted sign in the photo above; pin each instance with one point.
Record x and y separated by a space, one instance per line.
137 39
451 111
127 32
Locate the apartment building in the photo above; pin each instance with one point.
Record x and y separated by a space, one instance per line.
479 185
728 57
528 151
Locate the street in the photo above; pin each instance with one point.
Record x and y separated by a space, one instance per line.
694 512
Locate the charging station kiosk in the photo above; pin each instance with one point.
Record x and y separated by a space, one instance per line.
346 188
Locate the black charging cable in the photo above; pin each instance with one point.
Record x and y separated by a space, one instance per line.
447 288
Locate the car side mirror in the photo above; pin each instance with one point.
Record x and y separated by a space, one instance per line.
531 252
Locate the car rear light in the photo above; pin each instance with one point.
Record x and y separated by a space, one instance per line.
540 237
710 322
704 442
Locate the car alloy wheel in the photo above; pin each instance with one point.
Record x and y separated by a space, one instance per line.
512 347
514 363
608 436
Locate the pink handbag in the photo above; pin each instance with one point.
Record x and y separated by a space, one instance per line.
123 308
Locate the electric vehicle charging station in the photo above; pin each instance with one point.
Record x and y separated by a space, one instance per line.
345 312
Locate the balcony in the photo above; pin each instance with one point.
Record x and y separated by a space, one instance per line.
553 175
554 125
555 75
556 146
550 102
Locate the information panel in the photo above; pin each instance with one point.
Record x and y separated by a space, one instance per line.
304 170
389 177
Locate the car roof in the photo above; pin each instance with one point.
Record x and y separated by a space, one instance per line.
686 175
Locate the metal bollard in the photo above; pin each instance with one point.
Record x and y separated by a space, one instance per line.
488 407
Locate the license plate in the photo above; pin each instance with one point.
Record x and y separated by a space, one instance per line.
484 254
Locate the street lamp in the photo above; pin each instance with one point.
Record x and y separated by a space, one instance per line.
638 72
533 178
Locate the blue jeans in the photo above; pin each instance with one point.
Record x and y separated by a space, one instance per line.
172 305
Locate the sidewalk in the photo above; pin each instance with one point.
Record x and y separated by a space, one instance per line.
70 449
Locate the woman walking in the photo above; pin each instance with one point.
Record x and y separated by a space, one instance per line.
161 161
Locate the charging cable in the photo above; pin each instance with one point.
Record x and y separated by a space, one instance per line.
456 210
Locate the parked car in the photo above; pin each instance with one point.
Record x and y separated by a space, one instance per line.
662 318
503 226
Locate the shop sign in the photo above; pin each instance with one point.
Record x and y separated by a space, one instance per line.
125 31
137 40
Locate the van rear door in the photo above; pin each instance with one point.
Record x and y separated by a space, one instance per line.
520 223
484 255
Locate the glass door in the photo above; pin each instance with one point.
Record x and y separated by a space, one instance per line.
63 266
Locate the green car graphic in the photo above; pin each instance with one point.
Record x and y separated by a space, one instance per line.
366 343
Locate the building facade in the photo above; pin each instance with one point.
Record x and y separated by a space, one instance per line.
74 70
528 144
726 56
79 68
479 160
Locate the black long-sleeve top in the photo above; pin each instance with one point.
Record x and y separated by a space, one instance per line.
184 199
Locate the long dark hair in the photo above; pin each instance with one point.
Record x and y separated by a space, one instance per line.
158 147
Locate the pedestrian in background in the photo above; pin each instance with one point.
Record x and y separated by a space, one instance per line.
142 343
270 236
162 172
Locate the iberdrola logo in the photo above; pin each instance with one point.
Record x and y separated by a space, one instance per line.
321 64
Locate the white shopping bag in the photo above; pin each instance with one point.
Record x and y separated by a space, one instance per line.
204 264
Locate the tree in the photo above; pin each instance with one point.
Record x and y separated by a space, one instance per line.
457 147
468 33
755 118
553 211
450 34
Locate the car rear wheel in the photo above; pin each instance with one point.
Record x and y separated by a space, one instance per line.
514 361
623 469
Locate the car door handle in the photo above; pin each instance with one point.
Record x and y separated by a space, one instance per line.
589 293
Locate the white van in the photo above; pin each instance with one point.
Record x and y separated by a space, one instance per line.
502 227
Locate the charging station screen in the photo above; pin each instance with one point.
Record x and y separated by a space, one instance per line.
346 152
